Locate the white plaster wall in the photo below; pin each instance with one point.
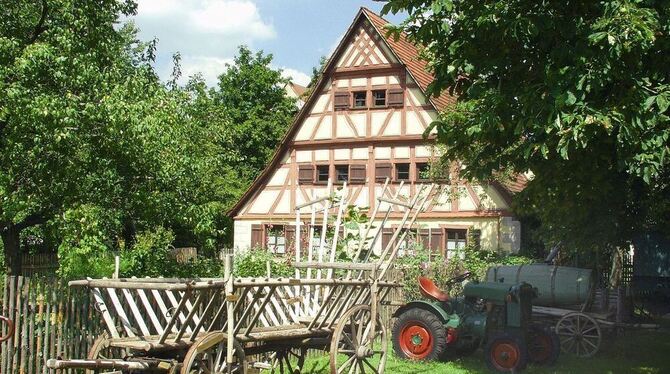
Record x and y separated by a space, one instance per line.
279 177
360 154
325 130
242 234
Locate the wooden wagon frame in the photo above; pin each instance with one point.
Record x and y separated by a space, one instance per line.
233 324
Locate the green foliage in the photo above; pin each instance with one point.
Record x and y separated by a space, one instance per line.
253 263
85 124
250 96
84 250
420 262
577 93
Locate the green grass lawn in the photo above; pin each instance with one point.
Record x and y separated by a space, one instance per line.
645 352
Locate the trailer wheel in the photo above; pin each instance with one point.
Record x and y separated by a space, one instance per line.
506 353
208 355
353 349
543 346
10 329
579 334
100 350
289 361
420 336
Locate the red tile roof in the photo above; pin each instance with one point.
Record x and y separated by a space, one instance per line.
408 54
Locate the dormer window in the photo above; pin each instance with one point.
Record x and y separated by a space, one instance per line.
360 99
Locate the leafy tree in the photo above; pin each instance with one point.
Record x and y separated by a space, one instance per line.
576 92
93 147
250 96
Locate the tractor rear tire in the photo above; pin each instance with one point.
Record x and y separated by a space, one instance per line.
543 346
419 335
506 353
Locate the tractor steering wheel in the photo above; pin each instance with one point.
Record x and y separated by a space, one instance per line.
459 278
10 328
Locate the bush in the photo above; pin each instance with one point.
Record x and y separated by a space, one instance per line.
151 256
436 268
85 248
252 263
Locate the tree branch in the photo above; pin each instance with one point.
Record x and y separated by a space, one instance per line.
31 220
40 25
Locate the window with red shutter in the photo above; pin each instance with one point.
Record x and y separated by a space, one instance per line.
257 236
396 97
342 100
383 171
306 174
357 173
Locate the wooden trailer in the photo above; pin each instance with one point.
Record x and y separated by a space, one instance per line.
232 324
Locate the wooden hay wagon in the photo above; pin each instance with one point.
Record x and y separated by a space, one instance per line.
235 324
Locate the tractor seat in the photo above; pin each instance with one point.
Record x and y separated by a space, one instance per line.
430 290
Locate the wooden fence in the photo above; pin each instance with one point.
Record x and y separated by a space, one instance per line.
50 319
53 320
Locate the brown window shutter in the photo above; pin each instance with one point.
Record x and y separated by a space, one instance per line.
289 232
357 173
386 237
396 97
257 236
383 171
306 174
424 238
342 100
436 241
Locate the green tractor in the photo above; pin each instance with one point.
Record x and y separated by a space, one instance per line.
493 314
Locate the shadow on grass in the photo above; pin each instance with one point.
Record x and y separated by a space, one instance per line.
635 352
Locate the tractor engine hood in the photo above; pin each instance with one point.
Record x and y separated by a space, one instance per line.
498 292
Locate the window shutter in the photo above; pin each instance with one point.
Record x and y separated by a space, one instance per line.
357 173
383 171
257 236
306 174
396 97
289 232
424 237
436 241
386 237
342 100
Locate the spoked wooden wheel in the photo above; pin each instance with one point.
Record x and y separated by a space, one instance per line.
353 348
579 334
208 356
289 361
101 350
10 328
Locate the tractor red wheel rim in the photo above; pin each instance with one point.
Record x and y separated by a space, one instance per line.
415 341
505 356
540 348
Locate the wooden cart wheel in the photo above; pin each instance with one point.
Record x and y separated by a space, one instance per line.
10 328
579 334
100 350
208 355
289 361
352 349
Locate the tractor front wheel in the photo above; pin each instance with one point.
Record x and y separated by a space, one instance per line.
506 353
419 335
543 346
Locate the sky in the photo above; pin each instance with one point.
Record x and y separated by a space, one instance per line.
207 32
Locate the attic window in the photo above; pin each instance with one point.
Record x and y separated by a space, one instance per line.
360 99
402 172
422 171
379 97
322 173
342 173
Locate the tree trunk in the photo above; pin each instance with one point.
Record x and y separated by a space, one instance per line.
11 240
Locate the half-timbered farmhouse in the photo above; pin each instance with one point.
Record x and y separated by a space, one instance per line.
363 123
